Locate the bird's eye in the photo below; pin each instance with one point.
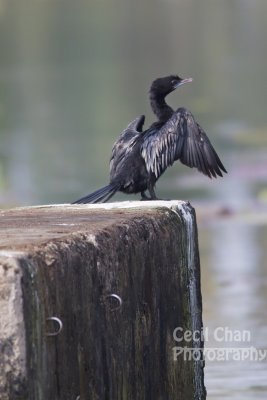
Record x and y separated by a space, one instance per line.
174 82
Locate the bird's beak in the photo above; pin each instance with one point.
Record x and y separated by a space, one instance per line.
185 80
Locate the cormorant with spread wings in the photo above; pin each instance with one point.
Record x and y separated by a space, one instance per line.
140 157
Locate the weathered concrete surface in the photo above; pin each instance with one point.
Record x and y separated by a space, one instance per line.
65 262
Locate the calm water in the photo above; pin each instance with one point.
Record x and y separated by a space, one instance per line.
234 287
73 74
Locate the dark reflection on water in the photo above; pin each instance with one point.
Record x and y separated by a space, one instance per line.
73 74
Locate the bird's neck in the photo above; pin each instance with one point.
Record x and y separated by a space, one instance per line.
160 108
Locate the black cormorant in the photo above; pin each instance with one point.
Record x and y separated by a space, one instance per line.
140 157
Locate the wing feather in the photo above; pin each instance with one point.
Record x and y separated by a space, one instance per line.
125 143
180 138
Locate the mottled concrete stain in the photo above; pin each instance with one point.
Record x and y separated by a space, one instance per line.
12 331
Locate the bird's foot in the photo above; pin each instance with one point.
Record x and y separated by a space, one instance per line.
153 198
149 198
144 197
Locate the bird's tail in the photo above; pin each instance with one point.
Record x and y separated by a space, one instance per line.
99 196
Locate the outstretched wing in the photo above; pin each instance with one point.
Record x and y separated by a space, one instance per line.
125 142
180 138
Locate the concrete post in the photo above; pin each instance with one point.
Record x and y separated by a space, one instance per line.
121 278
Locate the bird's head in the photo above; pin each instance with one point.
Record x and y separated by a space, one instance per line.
166 85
